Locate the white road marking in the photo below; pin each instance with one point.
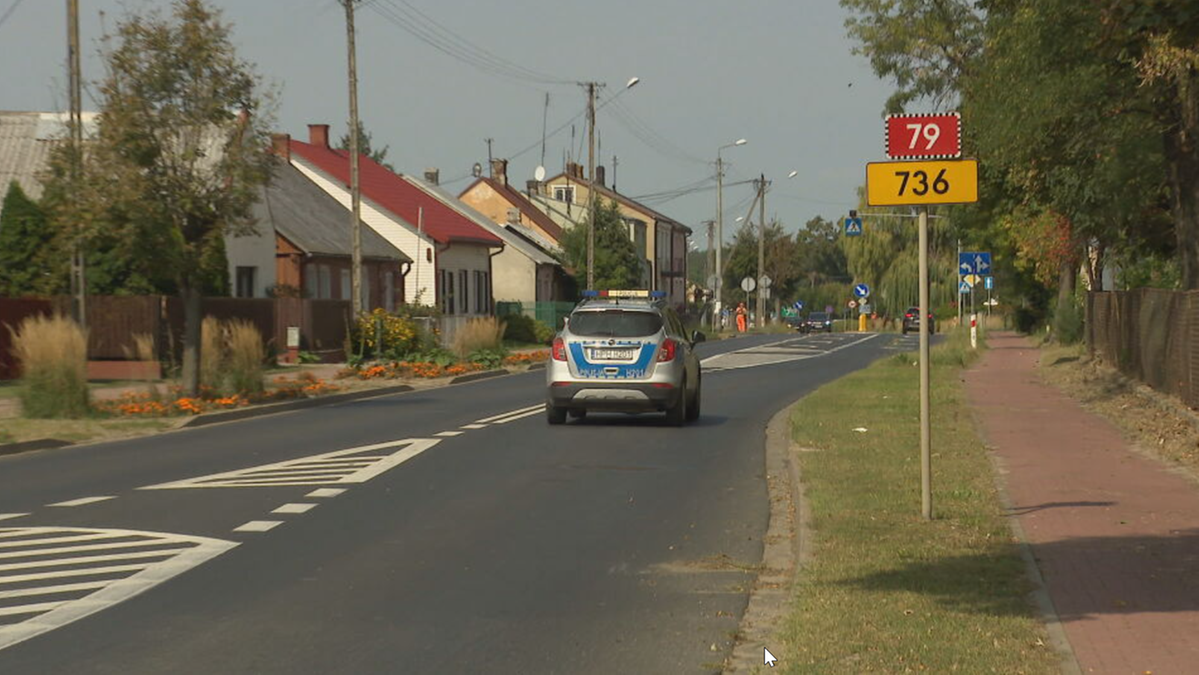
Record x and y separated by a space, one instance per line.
473 426
746 356
84 500
448 434
258 526
25 610
295 508
325 492
360 465
488 420
10 516
506 420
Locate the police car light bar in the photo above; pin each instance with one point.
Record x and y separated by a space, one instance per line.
624 294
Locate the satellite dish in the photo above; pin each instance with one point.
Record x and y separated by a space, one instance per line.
539 174
477 170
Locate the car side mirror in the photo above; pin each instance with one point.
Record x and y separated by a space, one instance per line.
698 337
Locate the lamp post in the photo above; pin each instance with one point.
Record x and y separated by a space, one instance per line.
591 88
720 222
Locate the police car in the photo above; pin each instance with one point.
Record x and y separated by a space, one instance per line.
624 351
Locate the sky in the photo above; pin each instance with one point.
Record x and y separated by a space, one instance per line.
779 73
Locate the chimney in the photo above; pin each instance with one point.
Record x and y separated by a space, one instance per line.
533 187
433 176
574 170
281 146
499 170
599 175
318 135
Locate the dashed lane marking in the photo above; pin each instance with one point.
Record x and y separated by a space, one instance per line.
448 434
352 465
325 492
776 352
84 500
295 508
258 526
10 516
537 411
102 567
493 418
473 426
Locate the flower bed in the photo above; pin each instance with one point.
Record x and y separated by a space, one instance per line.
430 369
527 358
145 404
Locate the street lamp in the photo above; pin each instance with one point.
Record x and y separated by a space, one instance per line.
591 88
720 225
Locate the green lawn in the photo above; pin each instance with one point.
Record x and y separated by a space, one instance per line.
885 591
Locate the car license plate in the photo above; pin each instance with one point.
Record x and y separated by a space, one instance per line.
613 354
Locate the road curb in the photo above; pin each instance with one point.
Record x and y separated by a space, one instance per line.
462 379
300 404
30 446
782 555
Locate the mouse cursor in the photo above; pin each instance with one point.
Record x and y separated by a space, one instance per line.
770 660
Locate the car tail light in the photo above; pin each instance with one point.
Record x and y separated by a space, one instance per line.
669 347
559 349
908 315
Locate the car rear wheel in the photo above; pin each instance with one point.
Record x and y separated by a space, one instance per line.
578 414
676 415
555 414
693 406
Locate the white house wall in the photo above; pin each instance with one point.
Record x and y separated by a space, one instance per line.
254 250
470 257
421 280
514 277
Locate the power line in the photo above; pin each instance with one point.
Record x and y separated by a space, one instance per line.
11 8
651 137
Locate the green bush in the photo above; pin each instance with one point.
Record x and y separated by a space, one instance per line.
1068 322
543 332
52 351
488 358
520 328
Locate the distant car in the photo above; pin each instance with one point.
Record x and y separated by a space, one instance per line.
623 351
911 321
817 321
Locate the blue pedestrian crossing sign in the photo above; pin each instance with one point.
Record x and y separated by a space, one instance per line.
989 283
861 291
853 227
963 288
799 305
975 262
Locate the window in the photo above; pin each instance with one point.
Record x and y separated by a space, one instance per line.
389 291
565 193
615 323
463 295
245 281
325 277
482 292
345 284
312 282
447 292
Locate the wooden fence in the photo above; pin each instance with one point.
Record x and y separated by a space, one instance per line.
1150 335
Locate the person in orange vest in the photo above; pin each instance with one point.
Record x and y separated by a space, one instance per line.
742 317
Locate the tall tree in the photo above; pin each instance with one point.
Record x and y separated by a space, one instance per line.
365 148
30 261
618 264
180 151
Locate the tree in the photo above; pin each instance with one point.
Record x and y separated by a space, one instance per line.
819 256
618 264
365 149
30 261
180 153
780 260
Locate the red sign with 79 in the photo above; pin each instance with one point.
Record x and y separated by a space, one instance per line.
924 136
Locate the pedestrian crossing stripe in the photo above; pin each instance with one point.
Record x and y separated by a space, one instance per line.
352 465
52 576
796 349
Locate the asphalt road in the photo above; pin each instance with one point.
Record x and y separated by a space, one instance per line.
448 530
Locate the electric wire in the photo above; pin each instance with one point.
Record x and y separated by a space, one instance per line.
8 12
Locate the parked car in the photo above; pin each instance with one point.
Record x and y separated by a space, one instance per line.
911 321
817 321
623 351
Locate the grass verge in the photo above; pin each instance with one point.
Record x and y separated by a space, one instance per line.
885 591
16 430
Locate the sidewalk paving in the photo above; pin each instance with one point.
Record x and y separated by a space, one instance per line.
1115 533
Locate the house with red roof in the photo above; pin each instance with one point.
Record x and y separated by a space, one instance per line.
452 255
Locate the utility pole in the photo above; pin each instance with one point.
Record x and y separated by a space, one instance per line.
614 173
760 309
719 307
355 188
591 86
710 259
78 258
490 171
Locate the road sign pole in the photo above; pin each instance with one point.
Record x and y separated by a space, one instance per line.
959 276
926 455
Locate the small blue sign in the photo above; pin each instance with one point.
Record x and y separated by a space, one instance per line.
853 227
861 291
963 288
989 283
828 309
974 262
799 305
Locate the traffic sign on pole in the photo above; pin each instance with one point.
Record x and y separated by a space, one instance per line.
861 291
963 288
924 136
989 282
853 227
799 305
974 262
748 284
922 183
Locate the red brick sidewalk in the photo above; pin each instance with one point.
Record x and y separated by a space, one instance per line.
1116 535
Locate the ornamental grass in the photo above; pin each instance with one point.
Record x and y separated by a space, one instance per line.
475 335
52 352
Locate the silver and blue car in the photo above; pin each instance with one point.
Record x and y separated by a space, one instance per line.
624 351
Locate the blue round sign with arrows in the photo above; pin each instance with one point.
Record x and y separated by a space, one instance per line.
861 291
799 305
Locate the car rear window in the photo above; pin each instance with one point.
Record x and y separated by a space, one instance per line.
615 323
818 316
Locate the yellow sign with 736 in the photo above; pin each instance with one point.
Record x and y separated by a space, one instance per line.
917 183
